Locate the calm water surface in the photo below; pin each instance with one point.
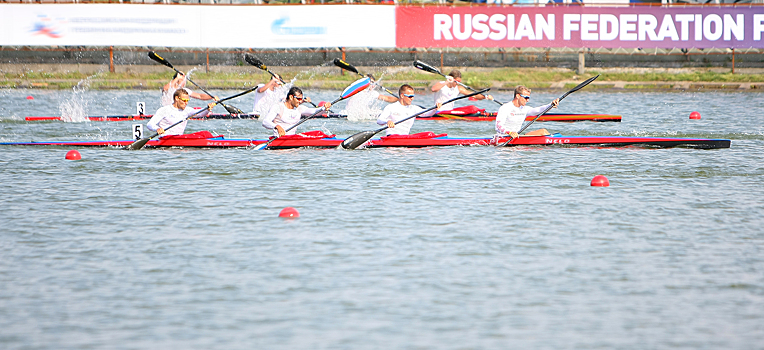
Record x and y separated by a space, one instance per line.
434 248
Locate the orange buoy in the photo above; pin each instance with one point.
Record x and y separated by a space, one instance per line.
73 155
289 212
600 181
694 115
30 97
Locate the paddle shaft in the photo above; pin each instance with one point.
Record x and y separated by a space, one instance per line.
312 115
283 82
167 63
255 62
383 88
579 87
225 99
321 109
181 121
434 107
143 141
349 67
360 138
431 69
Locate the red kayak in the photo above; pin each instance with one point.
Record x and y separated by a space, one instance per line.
472 113
427 139
126 117
467 113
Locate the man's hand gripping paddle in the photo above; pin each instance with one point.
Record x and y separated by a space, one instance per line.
259 64
138 144
349 67
428 68
160 59
360 138
354 88
578 87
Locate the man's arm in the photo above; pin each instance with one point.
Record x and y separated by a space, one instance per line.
153 123
199 96
466 91
439 85
387 98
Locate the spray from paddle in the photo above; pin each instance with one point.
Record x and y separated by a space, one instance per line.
74 109
363 106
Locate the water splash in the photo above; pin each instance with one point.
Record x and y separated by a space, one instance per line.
74 109
364 105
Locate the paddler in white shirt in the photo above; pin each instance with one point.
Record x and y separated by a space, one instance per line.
179 82
169 115
450 88
264 95
400 110
286 114
510 117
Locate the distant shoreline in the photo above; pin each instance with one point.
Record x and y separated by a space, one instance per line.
147 77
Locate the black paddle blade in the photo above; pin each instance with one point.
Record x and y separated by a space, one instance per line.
138 144
255 62
232 109
425 67
153 55
344 65
358 139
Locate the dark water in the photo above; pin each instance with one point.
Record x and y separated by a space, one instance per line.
434 248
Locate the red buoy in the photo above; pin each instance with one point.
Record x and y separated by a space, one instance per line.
472 99
694 115
73 155
601 181
289 212
30 97
321 104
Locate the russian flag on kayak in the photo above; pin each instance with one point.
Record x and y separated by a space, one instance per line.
356 87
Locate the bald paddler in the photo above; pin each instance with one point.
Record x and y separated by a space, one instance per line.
179 82
177 111
510 117
450 88
286 114
400 110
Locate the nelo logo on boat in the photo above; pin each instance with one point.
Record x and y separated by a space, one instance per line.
550 141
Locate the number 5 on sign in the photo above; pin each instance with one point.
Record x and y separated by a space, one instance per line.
137 131
140 108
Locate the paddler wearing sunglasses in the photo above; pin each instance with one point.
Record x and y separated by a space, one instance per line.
450 88
285 114
401 110
171 114
510 117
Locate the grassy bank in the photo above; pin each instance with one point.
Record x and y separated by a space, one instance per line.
330 78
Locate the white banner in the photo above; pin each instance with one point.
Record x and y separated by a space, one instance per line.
197 26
